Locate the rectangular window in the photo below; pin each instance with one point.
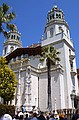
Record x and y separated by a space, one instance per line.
5 50
45 35
73 82
19 58
14 59
25 55
51 32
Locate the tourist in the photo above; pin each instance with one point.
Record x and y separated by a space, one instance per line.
52 117
76 115
6 117
27 117
61 116
21 117
34 117
47 117
41 116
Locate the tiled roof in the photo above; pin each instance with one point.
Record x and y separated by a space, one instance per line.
36 50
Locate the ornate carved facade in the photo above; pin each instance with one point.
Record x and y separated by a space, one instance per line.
32 75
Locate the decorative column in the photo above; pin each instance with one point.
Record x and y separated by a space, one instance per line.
39 66
28 90
72 98
25 94
18 94
38 94
55 107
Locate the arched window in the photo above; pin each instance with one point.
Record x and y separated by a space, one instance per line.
50 17
53 16
60 28
59 15
18 37
14 36
56 15
11 36
8 36
11 48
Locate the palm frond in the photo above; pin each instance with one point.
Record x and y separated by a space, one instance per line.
11 16
11 27
5 19
49 52
5 8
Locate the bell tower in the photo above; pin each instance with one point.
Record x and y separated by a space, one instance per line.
57 34
55 26
12 42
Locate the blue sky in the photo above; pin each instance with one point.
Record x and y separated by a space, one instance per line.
31 19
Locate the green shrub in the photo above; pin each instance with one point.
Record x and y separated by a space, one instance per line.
9 109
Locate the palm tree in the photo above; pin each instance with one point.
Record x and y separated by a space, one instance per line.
5 19
50 54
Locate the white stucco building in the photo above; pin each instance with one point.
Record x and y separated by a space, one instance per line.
32 75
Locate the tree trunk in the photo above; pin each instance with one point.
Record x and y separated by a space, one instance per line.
49 85
4 101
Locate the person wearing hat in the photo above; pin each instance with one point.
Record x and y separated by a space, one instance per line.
6 117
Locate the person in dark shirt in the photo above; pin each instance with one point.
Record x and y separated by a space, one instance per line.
76 115
41 117
27 117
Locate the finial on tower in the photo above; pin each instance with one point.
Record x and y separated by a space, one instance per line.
55 5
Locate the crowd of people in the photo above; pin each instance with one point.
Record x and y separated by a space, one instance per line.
40 116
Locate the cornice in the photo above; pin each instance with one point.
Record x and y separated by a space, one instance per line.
19 66
55 21
13 42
